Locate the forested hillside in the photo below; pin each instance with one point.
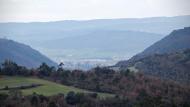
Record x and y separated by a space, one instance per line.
22 54
173 66
176 41
167 58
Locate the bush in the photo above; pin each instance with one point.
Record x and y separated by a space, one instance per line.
71 98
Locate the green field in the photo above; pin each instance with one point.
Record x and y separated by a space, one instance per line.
48 88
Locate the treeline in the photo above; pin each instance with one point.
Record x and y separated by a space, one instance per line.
14 98
130 88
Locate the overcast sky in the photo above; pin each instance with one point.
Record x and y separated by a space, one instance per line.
51 10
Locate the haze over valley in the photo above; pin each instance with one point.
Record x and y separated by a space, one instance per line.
86 44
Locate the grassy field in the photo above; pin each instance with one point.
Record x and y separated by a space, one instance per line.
48 88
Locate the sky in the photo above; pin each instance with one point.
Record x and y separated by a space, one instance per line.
52 10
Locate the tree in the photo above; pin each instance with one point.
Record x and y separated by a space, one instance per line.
65 73
23 71
10 68
15 94
6 87
61 65
125 72
0 70
34 100
71 98
52 104
3 97
44 70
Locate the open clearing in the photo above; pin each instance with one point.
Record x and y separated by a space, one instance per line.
48 88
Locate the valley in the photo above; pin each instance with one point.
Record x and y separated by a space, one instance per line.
79 42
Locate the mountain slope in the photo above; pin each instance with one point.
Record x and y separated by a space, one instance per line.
173 66
21 54
176 41
168 58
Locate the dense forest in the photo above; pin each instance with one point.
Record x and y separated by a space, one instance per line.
130 89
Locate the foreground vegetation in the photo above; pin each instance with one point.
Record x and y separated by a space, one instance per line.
131 89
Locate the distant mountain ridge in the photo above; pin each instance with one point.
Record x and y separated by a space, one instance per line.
158 25
22 54
106 40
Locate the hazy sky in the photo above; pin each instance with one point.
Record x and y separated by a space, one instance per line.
49 10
